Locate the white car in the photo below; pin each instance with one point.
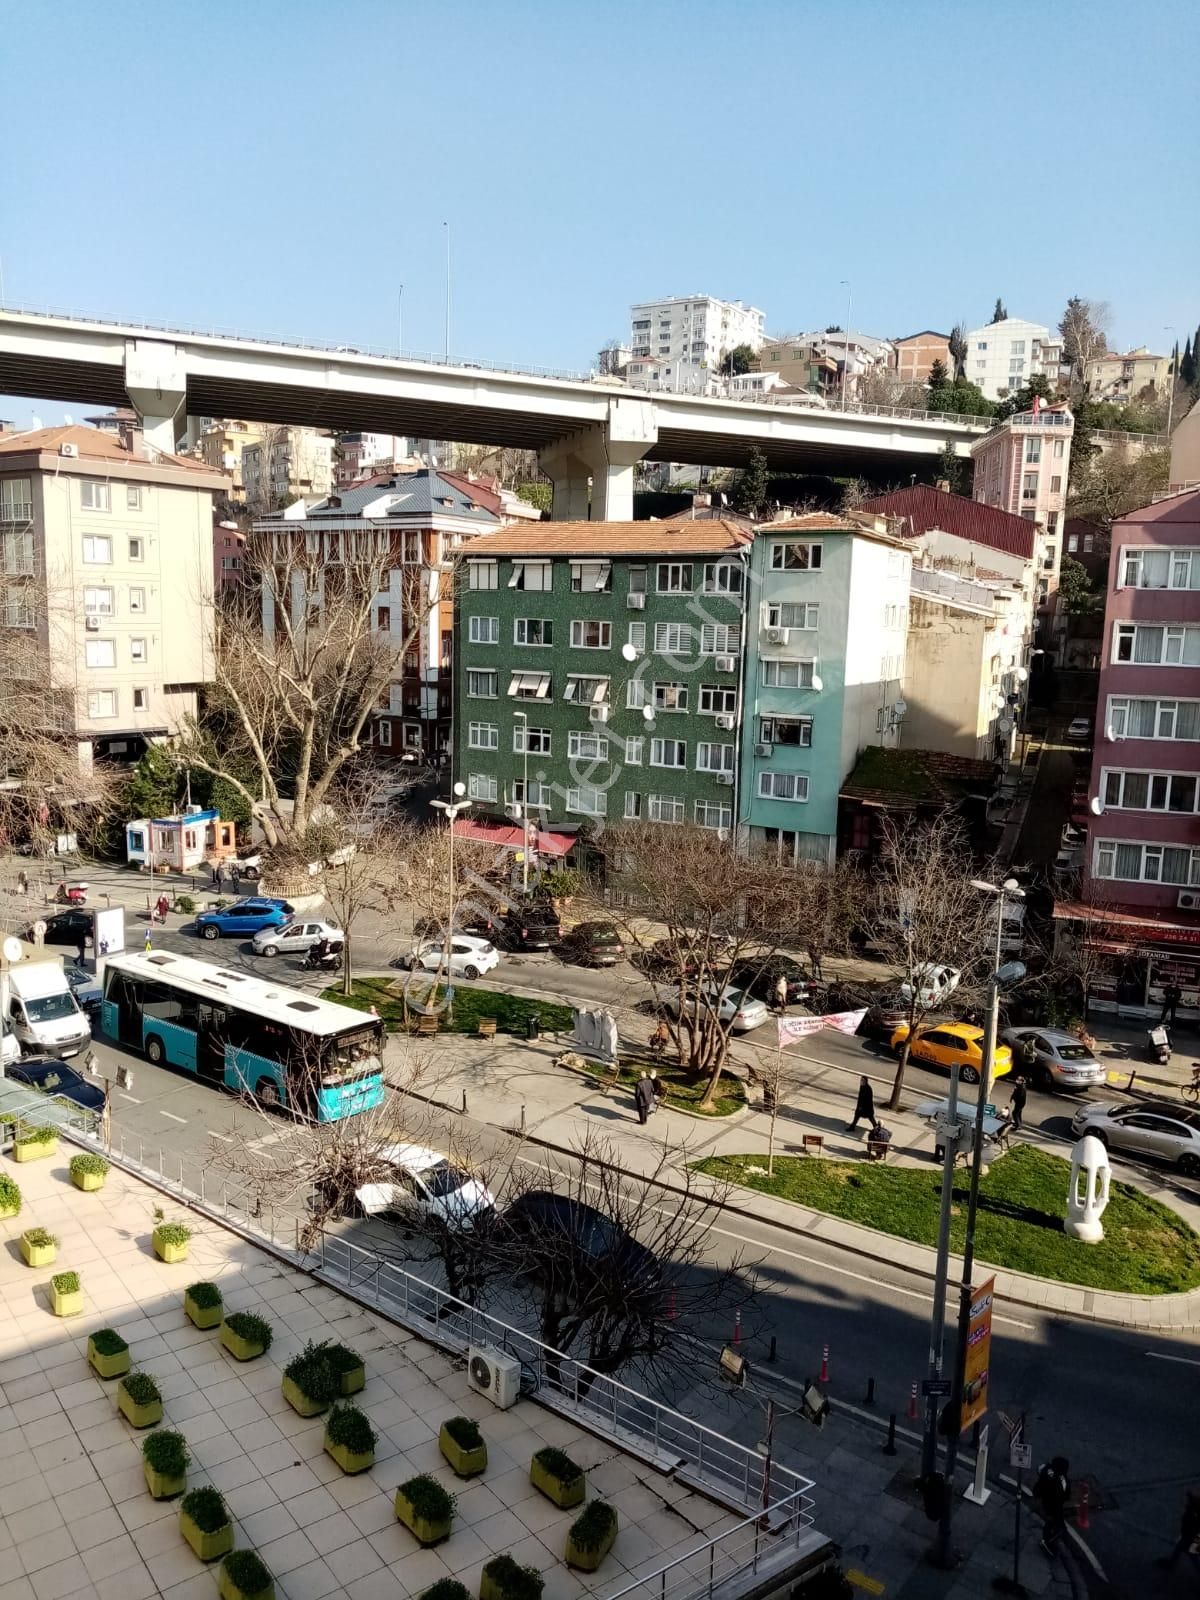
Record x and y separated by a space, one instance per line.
736 1006
1079 730
424 1181
469 957
935 985
294 936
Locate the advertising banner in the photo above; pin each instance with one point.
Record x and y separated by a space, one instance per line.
979 1355
793 1028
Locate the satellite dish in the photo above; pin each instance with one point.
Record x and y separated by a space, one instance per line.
1096 806
817 683
12 948
648 713
901 707
628 651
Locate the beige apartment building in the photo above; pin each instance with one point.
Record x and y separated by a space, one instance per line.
1121 378
287 464
220 447
106 556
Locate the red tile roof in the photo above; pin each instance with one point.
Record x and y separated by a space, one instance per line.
923 508
611 539
93 444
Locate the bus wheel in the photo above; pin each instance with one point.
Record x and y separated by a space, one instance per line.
267 1092
154 1050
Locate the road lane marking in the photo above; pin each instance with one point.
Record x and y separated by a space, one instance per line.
1183 1361
133 1101
172 1116
225 1138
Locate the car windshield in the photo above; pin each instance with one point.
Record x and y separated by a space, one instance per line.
1073 1052
52 1078
604 936
443 1179
51 1008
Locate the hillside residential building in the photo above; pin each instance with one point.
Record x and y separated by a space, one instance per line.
825 647
1122 378
853 354
914 355
229 554
286 464
688 335
106 551
800 363
1003 356
220 446
1140 900
426 518
1185 452
598 673
361 455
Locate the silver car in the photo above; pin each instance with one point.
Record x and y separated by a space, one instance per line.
1059 1060
1152 1128
294 936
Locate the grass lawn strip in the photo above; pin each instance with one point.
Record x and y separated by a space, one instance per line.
1147 1248
510 1011
682 1091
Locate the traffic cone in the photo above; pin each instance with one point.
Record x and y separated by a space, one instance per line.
824 1378
1082 1517
737 1328
912 1404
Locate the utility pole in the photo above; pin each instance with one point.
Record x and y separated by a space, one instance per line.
951 1134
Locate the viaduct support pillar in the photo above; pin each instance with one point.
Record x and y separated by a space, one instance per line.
156 383
592 469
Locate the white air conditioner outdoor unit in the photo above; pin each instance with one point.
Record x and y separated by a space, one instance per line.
726 778
726 721
726 663
494 1374
763 749
636 602
777 635
92 624
1188 900
598 713
66 448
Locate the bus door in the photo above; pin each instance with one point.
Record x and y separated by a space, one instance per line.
124 994
212 1036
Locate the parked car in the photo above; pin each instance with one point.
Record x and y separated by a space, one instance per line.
469 957
885 1013
84 985
735 1005
1153 1128
1079 730
668 956
244 916
54 1077
592 944
943 1044
428 1183
466 920
64 927
577 1234
935 985
759 978
294 937
534 926
1060 1061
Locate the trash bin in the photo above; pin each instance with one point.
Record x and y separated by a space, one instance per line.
533 1026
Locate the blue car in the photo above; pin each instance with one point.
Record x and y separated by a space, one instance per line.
244 916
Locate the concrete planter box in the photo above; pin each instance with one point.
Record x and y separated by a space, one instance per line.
350 1461
423 1529
161 1485
299 1401
228 1590
240 1349
203 1316
35 1152
7 1211
66 1305
587 1560
563 1495
466 1463
208 1546
114 1366
89 1182
353 1380
37 1255
138 1416
169 1252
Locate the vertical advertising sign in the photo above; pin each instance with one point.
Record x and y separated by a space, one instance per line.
979 1354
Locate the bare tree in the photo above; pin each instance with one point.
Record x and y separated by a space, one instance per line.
1084 329
1080 953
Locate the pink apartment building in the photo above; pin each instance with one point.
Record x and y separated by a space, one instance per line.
1140 899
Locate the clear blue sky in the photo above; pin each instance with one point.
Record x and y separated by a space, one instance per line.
285 167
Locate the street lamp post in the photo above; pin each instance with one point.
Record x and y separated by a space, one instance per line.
452 809
523 809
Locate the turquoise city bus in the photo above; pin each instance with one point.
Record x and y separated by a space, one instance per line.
230 1029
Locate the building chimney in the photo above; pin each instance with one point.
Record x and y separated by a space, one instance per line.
701 499
133 437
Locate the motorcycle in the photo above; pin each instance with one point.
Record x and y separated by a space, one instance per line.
71 894
1158 1046
318 960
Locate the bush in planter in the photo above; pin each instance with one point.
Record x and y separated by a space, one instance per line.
446 1589
10 1197
164 1461
425 1509
558 1477
348 1366
242 1576
139 1400
245 1336
66 1294
503 1578
88 1172
33 1144
108 1353
350 1439
310 1385
463 1446
171 1240
591 1535
204 1523
203 1304
38 1247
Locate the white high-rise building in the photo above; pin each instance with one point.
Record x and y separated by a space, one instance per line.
683 338
1003 356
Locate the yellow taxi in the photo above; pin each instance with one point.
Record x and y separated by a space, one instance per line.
944 1044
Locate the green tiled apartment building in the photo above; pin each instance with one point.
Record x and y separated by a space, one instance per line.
597 672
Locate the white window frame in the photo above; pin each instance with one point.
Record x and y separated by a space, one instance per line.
483 736
657 804
703 809
97 549
579 628
679 577
720 639
635 694
94 495
768 726
383 730
774 673
1170 634
521 625
474 675
483 786
669 697
717 700
674 638
635 751
633 805
531 741
483 630
583 746
659 748
133 497
539 798
724 577
579 796
1151 863
16 499
137 547
796 780
779 555
591 577
137 651
141 698
799 614
1153 776
534 576
585 689
137 600
705 750
91 608
98 698
529 686
483 574
93 648
637 637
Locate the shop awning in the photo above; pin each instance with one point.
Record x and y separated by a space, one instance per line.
1124 928
510 838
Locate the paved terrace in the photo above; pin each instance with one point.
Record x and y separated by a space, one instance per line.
77 1523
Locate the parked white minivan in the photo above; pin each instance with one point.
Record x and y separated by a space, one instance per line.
40 1010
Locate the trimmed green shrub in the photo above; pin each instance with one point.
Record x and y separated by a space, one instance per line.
246 1571
312 1373
27 1135
593 1525
558 1464
172 1232
251 1328
204 1296
108 1342
39 1238
446 1589
185 903
66 1282
89 1166
428 1499
514 1581
342 1359
166 1452
10 1194
464 1431
141 1388
348 1427
206 1507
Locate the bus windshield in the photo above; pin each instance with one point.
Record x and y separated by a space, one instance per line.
353 1055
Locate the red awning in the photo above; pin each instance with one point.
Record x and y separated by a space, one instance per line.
1125 927
512 838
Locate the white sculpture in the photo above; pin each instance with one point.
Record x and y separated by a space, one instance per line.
595 1033
1088 1194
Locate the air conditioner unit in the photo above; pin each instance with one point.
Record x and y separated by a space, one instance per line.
726 663
66 448
598 714
92 624
636 602
1188 900
726 721
494 1374
726 778
763 749
777 635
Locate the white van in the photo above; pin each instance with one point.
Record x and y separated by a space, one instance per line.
41 1011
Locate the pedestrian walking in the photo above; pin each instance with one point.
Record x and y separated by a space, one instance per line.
22 882
643 1098
781 993
82 948
162 906
1172 995
1016 1104
1188 1542
814 961
658 1086
864 1106
1051 1492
